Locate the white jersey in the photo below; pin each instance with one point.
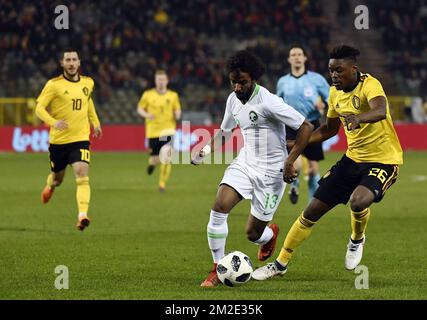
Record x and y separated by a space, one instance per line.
262 120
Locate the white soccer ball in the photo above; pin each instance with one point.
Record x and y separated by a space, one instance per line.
234 269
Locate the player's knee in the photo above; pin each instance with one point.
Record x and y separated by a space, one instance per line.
312 173
81 172
220 206
358 203
313 170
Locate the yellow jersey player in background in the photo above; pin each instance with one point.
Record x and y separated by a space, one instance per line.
161 109
364 173
71 112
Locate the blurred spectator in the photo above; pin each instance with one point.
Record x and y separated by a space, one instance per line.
122 42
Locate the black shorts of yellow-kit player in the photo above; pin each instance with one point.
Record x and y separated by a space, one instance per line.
337 185
312 151
61 155
155 144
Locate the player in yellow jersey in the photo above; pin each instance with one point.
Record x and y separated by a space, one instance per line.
161 109
365 172
71 112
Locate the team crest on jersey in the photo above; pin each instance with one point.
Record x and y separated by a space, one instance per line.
86 91
356 102
308 92
253 117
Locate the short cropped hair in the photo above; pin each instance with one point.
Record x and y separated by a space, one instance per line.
344 52
245 61
69 50
297 46
160 72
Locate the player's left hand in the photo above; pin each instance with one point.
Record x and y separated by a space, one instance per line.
351 121
97 132
289 174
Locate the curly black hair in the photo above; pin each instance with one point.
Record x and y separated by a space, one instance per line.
344 52
245 61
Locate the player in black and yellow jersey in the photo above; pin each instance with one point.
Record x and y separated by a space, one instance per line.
161 109
365 172
66 105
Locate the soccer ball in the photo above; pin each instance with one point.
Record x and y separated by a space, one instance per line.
234 269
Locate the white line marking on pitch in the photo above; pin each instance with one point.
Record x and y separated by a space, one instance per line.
419 178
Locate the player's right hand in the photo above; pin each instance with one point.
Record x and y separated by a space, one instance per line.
60 125
97 132
150 116
197 158
290 173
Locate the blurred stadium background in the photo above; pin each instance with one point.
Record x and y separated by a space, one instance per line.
121 44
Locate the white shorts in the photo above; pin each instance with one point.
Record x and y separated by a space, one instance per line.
264 191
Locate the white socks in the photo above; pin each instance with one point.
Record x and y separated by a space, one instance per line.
266 236
217 234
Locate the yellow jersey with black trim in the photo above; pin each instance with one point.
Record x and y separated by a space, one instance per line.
162 107
372 142
63 99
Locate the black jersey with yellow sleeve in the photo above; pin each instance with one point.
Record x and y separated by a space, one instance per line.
63 99
372 142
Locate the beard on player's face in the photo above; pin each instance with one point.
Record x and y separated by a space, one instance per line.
71 72
242 85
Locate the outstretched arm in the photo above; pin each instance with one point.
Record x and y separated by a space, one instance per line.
326 130
220 138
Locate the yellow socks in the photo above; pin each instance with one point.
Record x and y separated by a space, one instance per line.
300 230
165 171
359 220
83 194
49 180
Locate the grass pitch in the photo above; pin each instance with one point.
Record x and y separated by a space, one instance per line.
146 245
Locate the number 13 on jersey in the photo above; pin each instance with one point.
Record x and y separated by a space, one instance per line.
271 200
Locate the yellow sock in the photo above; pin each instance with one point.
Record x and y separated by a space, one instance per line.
359 220
83 194
49 180
165 171
305 166
300 230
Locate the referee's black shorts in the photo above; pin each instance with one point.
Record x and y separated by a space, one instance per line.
313 151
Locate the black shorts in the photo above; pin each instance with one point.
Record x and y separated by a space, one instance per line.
337 185
155 144
313 151
61 155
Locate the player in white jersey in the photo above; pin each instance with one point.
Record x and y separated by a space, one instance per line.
263 164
